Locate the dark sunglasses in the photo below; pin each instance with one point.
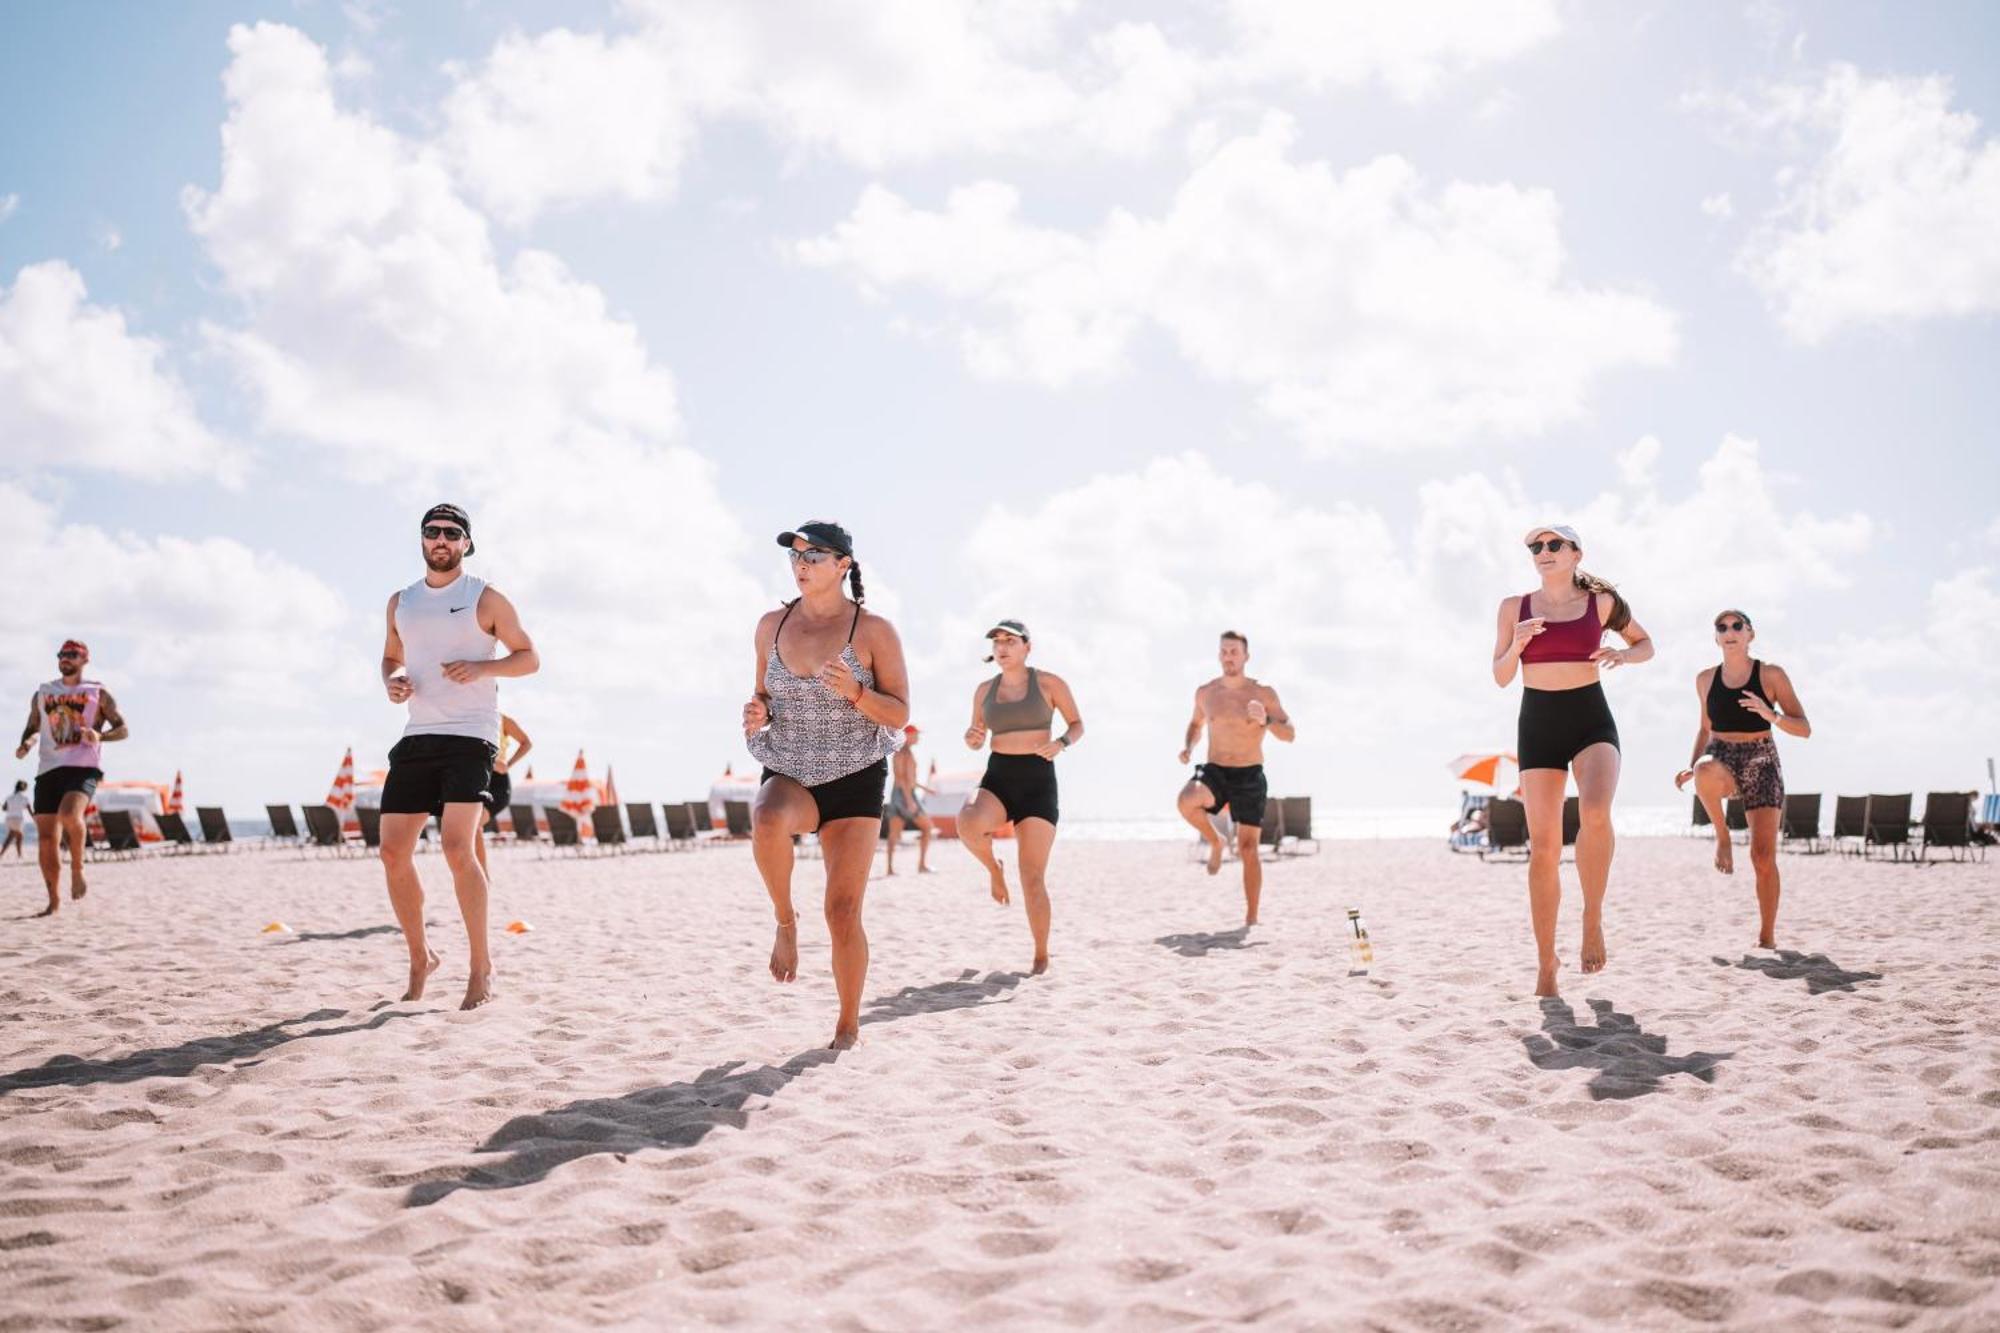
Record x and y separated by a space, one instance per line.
67 652
813 555
1552 545
1724 625
436 532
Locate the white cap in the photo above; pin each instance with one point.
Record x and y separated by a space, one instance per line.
1559 529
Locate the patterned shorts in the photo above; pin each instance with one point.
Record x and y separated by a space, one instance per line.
1754 764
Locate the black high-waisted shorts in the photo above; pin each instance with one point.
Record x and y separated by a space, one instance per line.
1558 725
856 796
1025 784
1243 789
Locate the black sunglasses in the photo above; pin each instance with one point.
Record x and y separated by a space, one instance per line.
813 555
1552 545
1724 625
435 532
67 652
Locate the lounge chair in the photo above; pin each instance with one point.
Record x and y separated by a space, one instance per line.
1801 823
214 826
1298 814
1947 823
1889 825
283 827
736 814
680 826
1572 820
1506 828
704 821
639 814
323 831
522 816
121 835
174 832
371 825
1700 816
1734 816
563 831
1271 833
1850 823
607 827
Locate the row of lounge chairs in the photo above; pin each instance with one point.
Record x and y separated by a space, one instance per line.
1866 825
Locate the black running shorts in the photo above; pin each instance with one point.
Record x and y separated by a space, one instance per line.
856 796
1558 725
1025 784
1242 790
52 786
427 773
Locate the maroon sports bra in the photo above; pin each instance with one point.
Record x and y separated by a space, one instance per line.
1564 640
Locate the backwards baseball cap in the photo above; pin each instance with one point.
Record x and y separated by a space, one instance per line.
821 533
77 646
451 513
1559 529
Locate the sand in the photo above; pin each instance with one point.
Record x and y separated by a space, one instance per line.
1180 1126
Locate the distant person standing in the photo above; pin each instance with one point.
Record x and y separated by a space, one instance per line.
74 719
17 806
906 805
1237 712
441 658
500 785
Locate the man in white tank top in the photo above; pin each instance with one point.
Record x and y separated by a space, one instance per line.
72 718
440 658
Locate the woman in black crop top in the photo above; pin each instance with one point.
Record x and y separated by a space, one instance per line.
1735 756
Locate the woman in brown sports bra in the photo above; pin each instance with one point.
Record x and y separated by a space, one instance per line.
1016 709
1735 755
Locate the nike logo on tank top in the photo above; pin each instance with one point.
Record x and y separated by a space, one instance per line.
439 625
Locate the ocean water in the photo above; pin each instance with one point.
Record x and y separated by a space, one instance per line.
1341 825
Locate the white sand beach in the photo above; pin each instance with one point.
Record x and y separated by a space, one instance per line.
1180 1126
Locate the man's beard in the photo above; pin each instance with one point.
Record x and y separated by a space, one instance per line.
443 561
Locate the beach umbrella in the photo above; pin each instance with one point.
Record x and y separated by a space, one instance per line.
341 795
174 801
1495 769
578 799
610 788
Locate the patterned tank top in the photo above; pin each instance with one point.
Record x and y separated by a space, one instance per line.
815 736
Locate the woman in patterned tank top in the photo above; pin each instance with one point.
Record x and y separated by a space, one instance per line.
831 694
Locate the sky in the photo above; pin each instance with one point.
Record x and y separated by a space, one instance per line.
1136 322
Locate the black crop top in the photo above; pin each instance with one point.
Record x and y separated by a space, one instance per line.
1725 707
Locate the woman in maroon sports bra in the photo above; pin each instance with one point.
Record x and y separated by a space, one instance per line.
1554 636
1735 755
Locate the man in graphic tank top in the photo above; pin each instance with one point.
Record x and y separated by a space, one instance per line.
72 719
442 658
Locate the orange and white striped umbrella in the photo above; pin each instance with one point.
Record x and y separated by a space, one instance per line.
610 788
1497 769
174 801
341 795
579 798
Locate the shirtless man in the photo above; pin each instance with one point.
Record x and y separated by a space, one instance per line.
1238 712
906 805
73 719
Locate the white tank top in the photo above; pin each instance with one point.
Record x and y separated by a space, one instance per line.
66 710
439 625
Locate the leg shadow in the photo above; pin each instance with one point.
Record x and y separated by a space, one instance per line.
969 991
1820 973
677 1115
1629 1061
180 1061
360 933
1199 944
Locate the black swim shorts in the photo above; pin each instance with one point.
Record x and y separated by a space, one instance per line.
427 773
1241 789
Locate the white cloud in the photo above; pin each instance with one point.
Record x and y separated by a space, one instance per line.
109 237
1718 206
1363 308
379 322
562 117
9 204
1886 204
79 389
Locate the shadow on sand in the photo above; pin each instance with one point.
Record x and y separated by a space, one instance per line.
1629 1061
184 1059
1820 973
1201 943
680 1115
359 933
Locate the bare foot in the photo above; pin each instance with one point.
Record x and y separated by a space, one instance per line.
418 976
888 871
925 870
1592 955
1767 941
1215 856
77 888
478 991
1000 888
1725 856
50 910
845 1038
785 952
1041 965
1249 921
1545 979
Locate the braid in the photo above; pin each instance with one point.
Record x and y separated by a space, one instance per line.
854 582
1621 614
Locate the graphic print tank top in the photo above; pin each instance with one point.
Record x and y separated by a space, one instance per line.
66 710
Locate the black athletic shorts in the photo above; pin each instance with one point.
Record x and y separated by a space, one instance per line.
1558 725
427 773
499 793
1025 784
856 796
52 786
1242 790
